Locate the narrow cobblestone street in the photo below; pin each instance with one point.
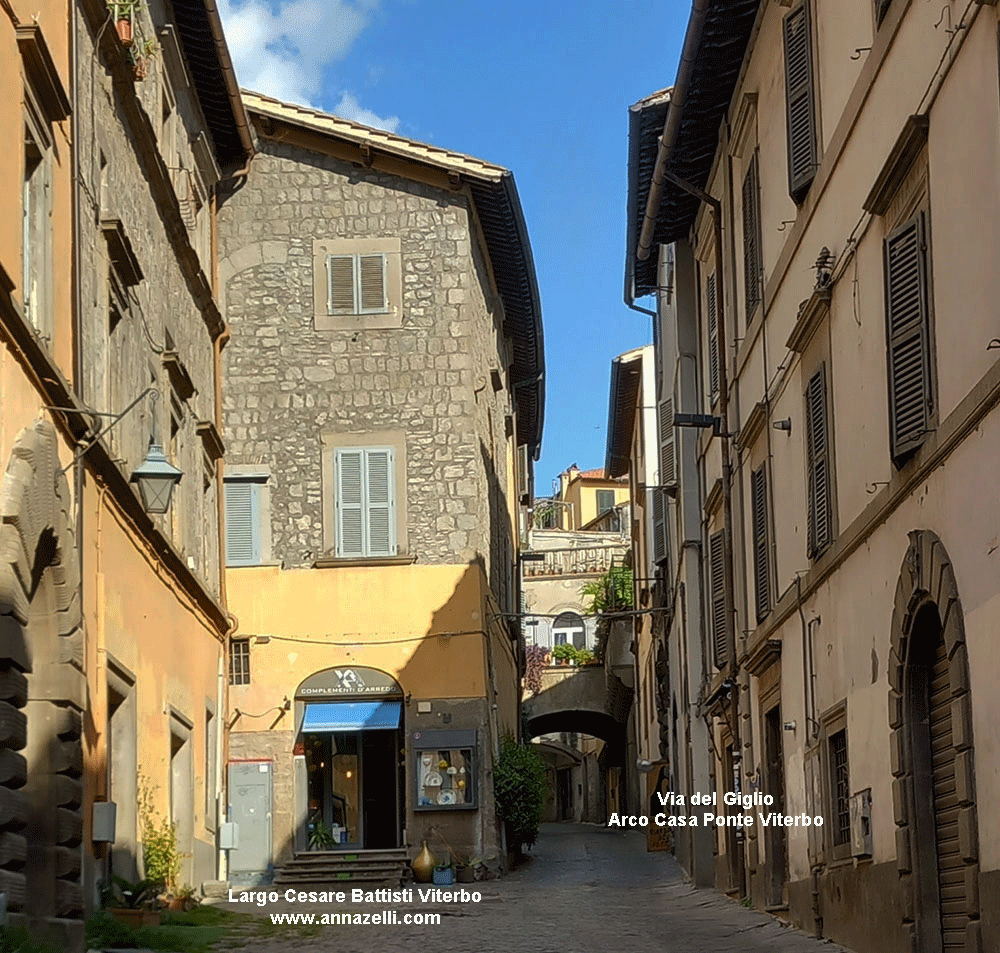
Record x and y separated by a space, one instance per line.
585 889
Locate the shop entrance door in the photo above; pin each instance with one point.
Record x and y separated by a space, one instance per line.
353 775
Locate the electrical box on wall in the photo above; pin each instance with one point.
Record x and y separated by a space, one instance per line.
229 836
105 821
861 824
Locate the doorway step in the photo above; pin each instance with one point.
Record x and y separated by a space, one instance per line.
333 866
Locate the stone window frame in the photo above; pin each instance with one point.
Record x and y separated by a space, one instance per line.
211 763
333 442
392 317
832 723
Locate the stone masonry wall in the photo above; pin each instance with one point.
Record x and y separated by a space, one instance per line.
286 383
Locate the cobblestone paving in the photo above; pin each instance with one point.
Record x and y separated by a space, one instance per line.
586 889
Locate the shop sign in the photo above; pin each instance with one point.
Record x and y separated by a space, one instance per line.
657 783
348 682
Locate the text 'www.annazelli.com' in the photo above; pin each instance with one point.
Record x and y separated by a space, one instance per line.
383 918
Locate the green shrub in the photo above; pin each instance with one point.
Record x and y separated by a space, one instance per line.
521 791
160 857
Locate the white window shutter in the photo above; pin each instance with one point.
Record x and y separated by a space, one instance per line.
381 505
350 503
241 531
371 290
668 460
340 284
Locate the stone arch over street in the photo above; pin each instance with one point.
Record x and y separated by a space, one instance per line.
41 691
930 715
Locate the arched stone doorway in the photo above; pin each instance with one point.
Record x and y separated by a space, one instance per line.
933 762
41 693
349 777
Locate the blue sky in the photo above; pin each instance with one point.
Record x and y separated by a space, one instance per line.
542 89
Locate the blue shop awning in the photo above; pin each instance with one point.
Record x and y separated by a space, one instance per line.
352 716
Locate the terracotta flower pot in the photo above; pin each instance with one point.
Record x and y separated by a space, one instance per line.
124 27
136 918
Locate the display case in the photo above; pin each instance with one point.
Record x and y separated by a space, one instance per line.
444 766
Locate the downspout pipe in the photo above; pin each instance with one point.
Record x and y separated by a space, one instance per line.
672 124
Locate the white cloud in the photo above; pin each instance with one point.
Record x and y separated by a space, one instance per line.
350 108
281 49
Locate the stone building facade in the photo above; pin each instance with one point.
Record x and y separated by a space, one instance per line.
386 329
149 337
825 302
112 623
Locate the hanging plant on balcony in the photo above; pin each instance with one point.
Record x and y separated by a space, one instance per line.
536 658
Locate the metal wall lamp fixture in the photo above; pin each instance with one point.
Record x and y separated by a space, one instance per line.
700 422
156 475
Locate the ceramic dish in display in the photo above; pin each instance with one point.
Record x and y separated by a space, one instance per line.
426 760
446 797
432 780
453 770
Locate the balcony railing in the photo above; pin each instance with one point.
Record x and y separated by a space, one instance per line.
579 561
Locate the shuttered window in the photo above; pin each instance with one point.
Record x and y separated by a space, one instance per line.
366 502
820 514
751 240
712 307
656 500
761 562
800 102
356 284
717 597
908 336
243 521
668 458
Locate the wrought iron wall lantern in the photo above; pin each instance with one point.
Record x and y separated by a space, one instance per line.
156 476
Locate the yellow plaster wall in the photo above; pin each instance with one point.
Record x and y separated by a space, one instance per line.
382 617
142 621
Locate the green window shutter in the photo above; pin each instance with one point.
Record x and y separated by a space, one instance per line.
800 102
712 306
381 516
350 503
717 599
818 465
340 284
751 241
907 334
371 284
242 522
668 458
761 563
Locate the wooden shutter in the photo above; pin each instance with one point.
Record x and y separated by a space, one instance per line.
340 284
799 100
371 283
350 503
717 599
906 314
381 520
657 503
761 563
668 458
818 465
751 240
242 529
712 306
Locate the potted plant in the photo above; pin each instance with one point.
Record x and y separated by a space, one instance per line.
465 870
321 837
131 903
444 875
562 654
